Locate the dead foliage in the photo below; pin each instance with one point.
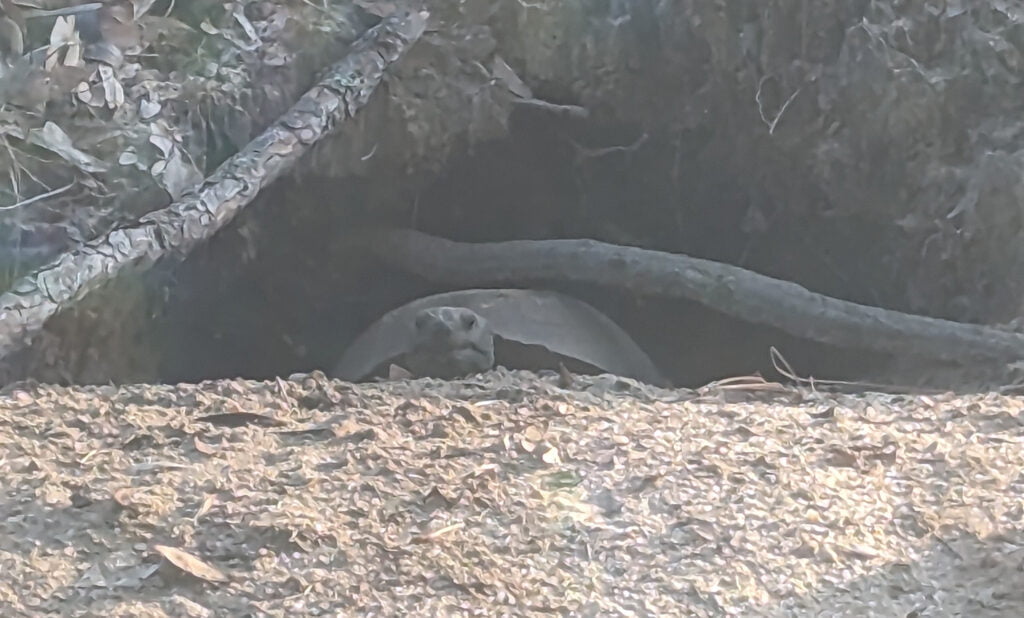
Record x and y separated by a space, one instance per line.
109 110
507 495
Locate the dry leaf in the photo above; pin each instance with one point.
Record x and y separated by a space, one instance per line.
533 433
204 448
205 507
551 456
467 413
113 92
191 564
179 176
124 496
53 138
505 74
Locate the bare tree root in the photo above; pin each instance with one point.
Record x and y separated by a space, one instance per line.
175 230
729 289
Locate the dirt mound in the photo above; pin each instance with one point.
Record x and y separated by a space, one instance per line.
506 495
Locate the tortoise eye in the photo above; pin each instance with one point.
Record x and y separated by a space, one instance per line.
469 320
421 320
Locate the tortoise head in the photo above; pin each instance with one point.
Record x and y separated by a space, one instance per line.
450 342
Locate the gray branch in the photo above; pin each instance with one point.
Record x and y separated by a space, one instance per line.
729 289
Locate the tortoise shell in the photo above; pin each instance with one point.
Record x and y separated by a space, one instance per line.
534 329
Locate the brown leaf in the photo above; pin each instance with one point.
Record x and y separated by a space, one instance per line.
354 432
23 398
467 413
551 456
533 433
203 447
205 507
504 73
123 496
527 445
191 564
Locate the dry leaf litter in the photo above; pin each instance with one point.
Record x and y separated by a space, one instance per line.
506 494
107 113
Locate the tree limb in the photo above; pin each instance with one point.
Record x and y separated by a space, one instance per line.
729 289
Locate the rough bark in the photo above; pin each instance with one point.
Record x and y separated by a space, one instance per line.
729 289
177 229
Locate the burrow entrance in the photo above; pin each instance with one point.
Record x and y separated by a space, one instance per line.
868 151
278 292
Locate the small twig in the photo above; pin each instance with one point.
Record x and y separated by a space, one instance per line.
572 111
788 372
760 105
41 196
593 153
436 534
17 169
742 383
369 155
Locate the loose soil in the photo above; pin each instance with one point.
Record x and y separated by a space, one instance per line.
507 494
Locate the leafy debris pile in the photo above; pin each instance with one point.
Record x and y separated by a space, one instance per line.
506 495
109 110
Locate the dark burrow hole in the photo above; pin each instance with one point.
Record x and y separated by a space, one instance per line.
278 292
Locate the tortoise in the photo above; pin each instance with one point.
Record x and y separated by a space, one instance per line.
456 334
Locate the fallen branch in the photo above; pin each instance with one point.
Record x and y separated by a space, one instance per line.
175 230
729 289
